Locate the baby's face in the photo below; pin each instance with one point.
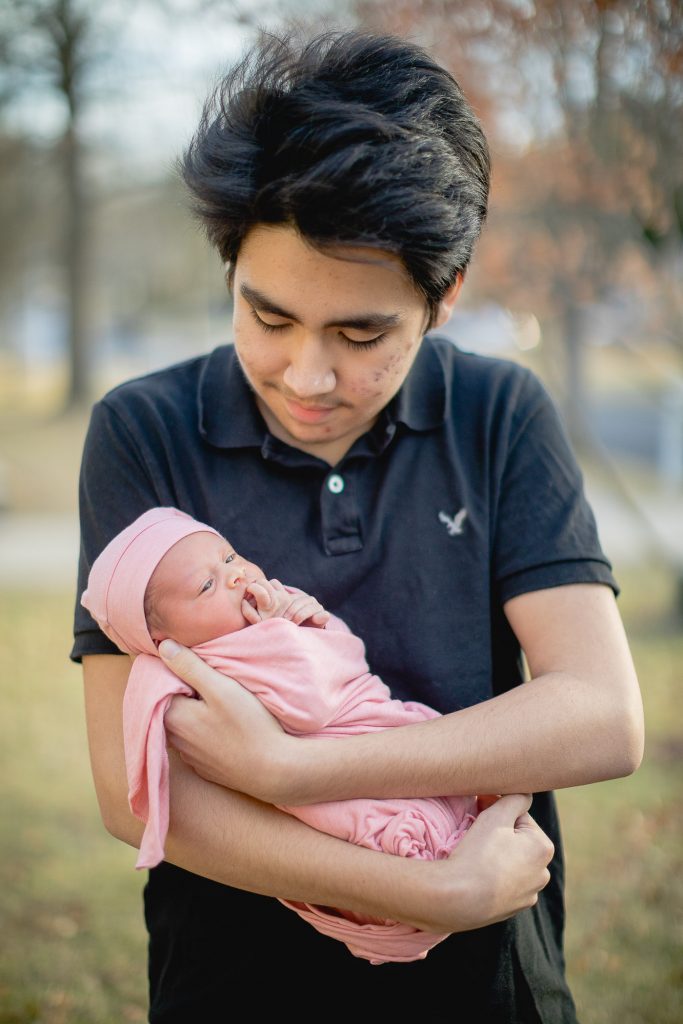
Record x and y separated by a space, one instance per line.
197 590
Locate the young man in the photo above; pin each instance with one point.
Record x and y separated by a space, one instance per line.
437 509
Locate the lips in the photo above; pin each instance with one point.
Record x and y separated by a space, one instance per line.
308 413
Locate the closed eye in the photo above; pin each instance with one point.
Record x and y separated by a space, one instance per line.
356 345
267 327
362 344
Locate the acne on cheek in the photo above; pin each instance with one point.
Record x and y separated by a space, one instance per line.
392 368
372 390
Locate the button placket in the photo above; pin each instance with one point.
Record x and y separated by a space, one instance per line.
340 515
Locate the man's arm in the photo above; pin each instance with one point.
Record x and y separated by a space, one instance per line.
495 871
578 720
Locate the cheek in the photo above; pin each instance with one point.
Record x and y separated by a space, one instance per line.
247 353
388 373
218 618
256 354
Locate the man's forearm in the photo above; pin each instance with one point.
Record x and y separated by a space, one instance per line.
238 841
578 720
550 733
496 870
241 842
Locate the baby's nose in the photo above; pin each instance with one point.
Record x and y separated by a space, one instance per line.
236 576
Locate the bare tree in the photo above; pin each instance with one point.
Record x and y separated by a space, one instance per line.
49 44
590 193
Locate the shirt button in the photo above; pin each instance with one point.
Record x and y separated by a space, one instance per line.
335 483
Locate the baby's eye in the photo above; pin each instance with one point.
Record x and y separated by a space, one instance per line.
230 557
206 586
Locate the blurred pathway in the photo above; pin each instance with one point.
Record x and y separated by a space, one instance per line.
41 551
38 551
651 527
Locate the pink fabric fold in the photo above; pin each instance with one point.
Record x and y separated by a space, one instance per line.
316 683
145 703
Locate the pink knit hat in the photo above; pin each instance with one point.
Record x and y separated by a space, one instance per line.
119 575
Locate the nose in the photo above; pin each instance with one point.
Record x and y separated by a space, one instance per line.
235 576
309 372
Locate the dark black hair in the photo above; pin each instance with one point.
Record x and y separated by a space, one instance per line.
354 139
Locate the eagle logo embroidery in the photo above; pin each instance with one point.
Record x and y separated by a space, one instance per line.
454 525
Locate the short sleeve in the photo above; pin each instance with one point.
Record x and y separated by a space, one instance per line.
114 488
544 531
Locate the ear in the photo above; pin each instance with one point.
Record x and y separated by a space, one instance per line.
448 302
157 634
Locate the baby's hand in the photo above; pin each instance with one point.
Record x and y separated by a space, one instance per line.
271 600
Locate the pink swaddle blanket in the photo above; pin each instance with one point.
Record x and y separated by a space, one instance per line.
315 682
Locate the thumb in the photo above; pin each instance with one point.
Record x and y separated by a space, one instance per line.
507 810
187 665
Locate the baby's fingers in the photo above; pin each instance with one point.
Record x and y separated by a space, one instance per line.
250 613
263 595
320 618
309 609
300 608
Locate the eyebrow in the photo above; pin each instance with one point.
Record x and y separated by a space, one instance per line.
195 574
364 322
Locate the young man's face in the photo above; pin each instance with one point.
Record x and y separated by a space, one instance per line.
325 342
198 588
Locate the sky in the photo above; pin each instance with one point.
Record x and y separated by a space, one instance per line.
157 61
147 85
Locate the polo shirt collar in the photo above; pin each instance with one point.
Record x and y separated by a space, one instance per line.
421 402
229 416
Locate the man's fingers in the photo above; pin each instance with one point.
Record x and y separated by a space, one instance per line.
188 666
546 847
177 719
508 809
513 811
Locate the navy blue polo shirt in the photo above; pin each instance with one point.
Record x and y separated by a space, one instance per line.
464 494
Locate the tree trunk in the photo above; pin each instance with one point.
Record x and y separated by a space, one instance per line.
575 389
75 248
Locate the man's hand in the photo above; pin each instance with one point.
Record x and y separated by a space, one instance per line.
497 869
268 599
228 736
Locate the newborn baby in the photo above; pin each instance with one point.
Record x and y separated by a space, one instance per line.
167 575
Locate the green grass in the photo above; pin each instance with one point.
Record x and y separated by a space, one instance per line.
70 905
623 841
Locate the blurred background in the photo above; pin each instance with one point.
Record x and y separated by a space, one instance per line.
104 276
